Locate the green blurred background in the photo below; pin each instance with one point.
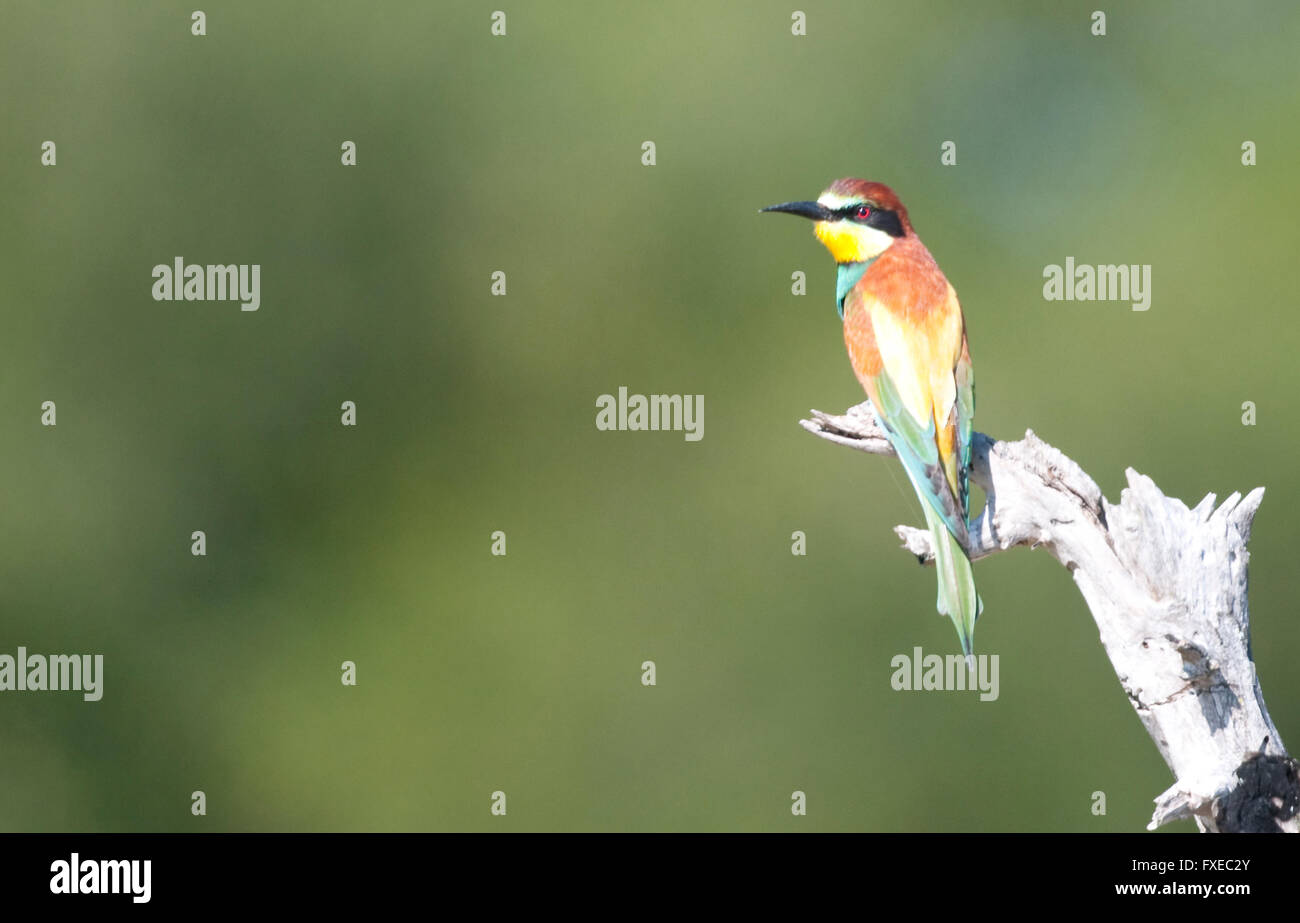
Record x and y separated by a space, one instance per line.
476 413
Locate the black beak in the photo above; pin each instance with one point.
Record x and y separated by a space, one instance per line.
814 210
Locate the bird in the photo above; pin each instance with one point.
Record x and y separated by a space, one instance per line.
906 339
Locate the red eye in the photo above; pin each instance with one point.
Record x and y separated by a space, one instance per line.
863 211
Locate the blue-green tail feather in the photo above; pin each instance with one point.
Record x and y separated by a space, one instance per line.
957 596
945 514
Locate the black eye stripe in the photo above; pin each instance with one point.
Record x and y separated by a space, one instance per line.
882 219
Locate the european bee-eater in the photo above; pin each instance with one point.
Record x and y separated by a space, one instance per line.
906 338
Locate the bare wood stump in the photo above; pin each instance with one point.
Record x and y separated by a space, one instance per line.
1167 588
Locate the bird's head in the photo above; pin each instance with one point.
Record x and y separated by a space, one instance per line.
855 219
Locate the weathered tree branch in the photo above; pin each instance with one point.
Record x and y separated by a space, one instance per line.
1167 588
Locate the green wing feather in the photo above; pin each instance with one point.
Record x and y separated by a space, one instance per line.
965 416
919 453
945 515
